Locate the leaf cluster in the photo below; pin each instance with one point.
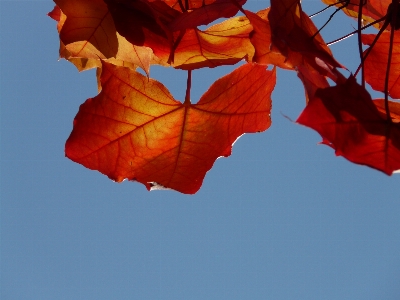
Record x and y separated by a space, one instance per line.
134 129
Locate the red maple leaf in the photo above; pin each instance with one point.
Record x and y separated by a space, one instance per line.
134 128
350 122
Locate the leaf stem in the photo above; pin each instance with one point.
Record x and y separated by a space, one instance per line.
329 6
188 86
181 6
360 47
392 30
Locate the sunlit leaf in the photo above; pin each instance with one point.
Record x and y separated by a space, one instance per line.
261 39
349 122
85 56
376 63
135 130
222 44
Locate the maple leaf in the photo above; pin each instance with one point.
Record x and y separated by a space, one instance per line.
375 64
349 121
134 128
297 38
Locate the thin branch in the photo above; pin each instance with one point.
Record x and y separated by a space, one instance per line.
355 31
175 46
329 6
332 15
188 86
181 6
360 47
392 30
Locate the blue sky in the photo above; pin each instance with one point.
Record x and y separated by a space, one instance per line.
282 218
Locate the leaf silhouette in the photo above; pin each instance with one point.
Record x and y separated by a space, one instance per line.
350 122
295 36
375 64
134 128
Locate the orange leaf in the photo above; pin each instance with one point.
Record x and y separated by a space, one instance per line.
225 43
394 108
260 37
372 9
376 63
349 121
85 56
134 128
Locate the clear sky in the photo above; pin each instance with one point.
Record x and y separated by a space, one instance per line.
282 218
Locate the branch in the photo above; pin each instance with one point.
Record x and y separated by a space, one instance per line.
188 86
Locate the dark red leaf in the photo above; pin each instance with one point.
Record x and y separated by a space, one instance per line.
349 122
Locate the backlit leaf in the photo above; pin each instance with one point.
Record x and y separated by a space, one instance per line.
90 23
376 63
127 54
134 128
260 37
349 122
225 43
